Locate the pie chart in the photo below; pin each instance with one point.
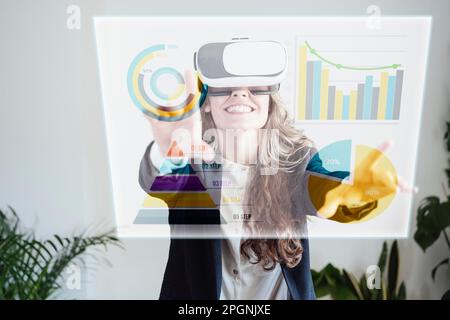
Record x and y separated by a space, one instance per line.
335 164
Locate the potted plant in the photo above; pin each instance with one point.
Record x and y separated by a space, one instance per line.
343 285
433 219
31 268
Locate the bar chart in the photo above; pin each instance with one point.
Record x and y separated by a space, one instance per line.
369 92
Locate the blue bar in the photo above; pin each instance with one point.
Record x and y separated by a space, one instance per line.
316 89
346 107
367 97
390 98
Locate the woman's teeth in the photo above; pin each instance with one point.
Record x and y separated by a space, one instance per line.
239 109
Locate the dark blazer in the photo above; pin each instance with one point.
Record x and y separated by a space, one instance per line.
194 267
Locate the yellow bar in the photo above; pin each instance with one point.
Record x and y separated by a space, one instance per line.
302 84
338 105
179 200
324 94
382 96
353 98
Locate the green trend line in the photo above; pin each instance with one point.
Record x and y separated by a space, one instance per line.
340 66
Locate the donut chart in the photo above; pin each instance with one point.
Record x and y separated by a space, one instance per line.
336 160
158 88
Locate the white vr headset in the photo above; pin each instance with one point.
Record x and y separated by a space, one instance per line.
241 63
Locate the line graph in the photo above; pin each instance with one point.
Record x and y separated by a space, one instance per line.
340 66
341 82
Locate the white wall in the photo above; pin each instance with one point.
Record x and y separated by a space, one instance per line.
54 167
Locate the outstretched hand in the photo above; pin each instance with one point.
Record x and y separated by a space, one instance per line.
185 133
373 179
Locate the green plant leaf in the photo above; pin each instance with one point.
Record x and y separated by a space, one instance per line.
428 228
332 274
321 290
433 272
32 269
330 281
443 215
392 270
383 258
343 293
401 295
353 283
319 278
326 281
363 287
344 285
384 291
447 136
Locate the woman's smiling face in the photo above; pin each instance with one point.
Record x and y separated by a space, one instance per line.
241 109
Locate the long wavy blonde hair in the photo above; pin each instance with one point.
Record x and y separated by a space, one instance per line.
270 196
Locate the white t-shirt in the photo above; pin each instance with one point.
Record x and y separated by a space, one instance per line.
241 280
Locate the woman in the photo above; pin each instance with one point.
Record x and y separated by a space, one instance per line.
251 267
